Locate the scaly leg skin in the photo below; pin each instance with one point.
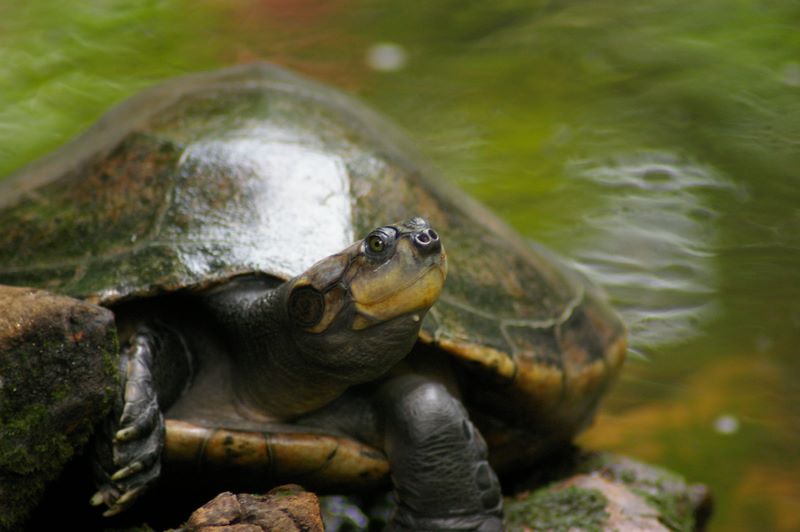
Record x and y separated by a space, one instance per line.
440 471
128 448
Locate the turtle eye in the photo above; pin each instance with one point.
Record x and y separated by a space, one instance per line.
379 242
376 244
306 306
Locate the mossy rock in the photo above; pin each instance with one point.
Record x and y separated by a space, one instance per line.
56 379
604 491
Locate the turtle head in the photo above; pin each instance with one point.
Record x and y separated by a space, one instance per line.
360 310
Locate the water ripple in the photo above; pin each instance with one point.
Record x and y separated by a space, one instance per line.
652 241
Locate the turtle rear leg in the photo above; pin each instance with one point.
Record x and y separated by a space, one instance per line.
440 471
154 368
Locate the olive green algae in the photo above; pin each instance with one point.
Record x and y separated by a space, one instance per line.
558 510
56 380
603 491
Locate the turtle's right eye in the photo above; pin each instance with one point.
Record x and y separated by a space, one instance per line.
376 244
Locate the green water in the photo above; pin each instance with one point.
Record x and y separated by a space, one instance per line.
655 144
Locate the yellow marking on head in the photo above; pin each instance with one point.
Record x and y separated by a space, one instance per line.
401 285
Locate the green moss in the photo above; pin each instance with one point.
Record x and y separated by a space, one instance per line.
31 455
558 511
675 511
32 426
628 477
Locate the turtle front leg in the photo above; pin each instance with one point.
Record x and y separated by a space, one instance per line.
440 471
128 448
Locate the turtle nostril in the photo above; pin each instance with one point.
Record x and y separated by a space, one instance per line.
427 241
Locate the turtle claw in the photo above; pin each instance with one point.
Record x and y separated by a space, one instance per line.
111 512
126 434
127 471
97 499
122 503
129 496
128 484
106 495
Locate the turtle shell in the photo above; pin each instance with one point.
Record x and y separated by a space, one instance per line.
255 169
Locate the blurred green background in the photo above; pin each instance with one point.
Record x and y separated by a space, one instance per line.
656 145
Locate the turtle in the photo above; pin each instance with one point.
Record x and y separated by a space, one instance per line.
217 215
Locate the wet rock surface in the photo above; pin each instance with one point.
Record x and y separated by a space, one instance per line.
56 377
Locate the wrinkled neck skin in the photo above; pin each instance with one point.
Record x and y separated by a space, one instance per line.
281 372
